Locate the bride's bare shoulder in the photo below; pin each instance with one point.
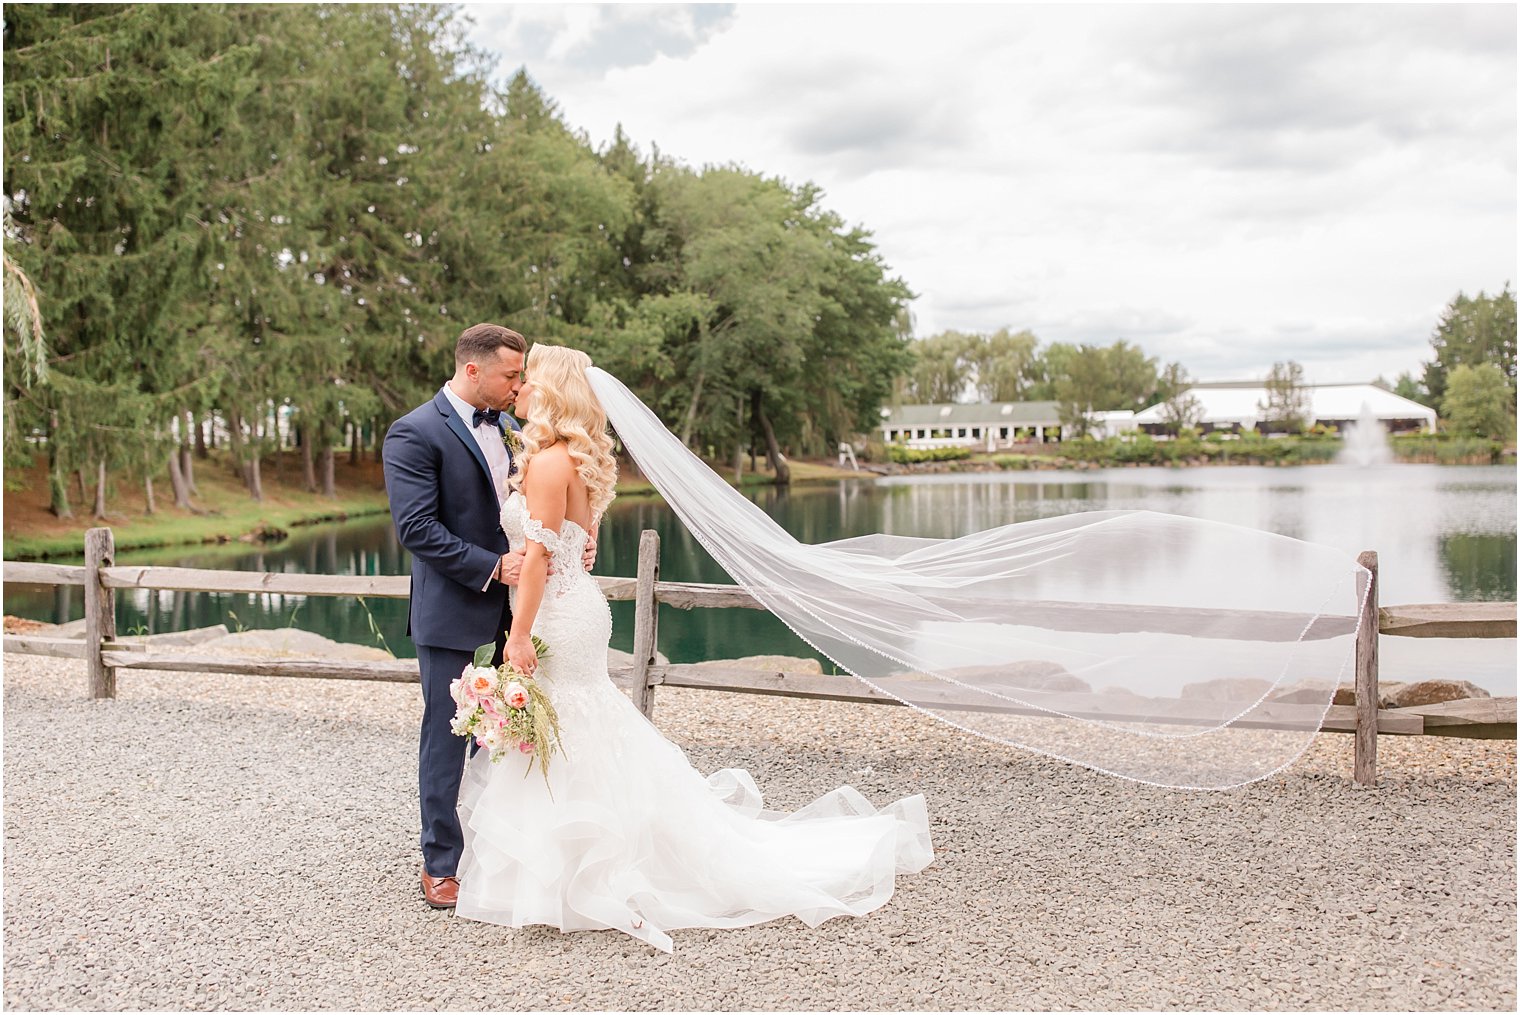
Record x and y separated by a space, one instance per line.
550 466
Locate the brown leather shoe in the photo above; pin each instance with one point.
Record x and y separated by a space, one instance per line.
441 893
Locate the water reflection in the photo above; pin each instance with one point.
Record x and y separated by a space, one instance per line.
362 547
1444 534
1478 568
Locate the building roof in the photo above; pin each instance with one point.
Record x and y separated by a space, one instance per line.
1235 403
974 414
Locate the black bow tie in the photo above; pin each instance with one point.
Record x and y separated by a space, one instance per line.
485 416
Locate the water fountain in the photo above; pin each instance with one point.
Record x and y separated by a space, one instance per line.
1366 442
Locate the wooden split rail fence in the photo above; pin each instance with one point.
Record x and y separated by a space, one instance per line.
105 653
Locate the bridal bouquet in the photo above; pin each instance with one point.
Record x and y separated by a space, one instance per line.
505 711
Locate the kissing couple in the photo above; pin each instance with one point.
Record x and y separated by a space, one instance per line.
1155 647
623 833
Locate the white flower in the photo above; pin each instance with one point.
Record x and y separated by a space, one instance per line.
481 681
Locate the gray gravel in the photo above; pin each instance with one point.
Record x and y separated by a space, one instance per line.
248 843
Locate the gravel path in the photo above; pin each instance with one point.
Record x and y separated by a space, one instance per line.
250 843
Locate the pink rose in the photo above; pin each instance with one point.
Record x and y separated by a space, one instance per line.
525 747
517 696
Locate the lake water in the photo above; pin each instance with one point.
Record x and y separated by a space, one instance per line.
1443 534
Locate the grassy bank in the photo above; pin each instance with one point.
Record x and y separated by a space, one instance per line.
225 512
228 514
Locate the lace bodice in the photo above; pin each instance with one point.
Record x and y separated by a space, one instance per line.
565 547
573 617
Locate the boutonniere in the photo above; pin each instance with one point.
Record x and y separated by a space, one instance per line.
513 440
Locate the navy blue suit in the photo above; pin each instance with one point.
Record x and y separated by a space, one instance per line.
444 505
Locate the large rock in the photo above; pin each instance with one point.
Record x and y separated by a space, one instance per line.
287 641
1428 692
73 629
1227 689
1345 694
616 659
1025 674
1311 694
770 664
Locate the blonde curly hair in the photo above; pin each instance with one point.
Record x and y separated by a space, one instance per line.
563 408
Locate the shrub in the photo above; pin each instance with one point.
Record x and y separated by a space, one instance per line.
1139 449
910 456
1446 449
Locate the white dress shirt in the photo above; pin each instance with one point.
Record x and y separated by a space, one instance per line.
489 437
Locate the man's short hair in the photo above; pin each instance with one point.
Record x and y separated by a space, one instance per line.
481 341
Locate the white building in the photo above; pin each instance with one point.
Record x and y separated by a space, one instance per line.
987 425
1228 406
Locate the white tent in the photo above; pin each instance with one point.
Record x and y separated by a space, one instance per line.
1226 405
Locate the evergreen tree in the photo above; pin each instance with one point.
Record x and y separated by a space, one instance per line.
1473 330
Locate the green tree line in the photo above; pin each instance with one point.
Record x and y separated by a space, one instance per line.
248 213
1470 379
1083 379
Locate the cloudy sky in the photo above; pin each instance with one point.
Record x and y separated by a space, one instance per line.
1226 186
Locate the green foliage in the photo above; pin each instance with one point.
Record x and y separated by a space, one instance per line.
1446 449
1022 463
1181 411
1408 387
1286 409
374 628
940 368
230 208
910 456
1480 401
1472 331
998 367
1249 448
1088 379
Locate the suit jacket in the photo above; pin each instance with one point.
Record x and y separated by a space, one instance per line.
447 516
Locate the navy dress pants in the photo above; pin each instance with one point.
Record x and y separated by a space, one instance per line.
441 755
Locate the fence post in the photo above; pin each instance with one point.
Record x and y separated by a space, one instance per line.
1364 763
99 611
646 618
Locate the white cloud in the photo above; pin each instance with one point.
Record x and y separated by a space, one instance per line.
1224 185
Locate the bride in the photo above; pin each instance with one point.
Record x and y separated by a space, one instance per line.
625 833
1156 647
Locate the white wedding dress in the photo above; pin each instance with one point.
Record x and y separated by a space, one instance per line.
633 838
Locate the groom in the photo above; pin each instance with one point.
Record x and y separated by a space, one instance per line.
447 463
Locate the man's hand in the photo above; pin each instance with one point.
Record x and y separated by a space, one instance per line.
588 557
510 568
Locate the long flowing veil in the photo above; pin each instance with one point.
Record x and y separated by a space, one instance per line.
1170 650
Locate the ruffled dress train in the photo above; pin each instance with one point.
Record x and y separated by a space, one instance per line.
627 835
